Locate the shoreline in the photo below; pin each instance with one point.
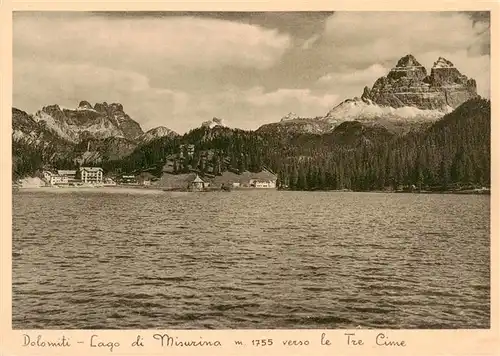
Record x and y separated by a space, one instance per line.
457 192
165 189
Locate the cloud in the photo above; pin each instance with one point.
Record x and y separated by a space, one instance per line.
67 84
251 108
173 42
358 77
384 35
79 81
354 41
303 100
310 41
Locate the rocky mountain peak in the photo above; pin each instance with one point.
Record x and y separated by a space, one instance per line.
445 74
85 105
408 61
290 116
442 63
161 131
84 121
51 108
407 69
108 108
116 107
157 132
101 107
407 84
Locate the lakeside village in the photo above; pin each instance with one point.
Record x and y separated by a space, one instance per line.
169 179
94 177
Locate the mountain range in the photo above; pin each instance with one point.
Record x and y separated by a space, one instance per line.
408 99
407 95
87 133
85 122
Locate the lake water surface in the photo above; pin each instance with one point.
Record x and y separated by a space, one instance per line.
139 259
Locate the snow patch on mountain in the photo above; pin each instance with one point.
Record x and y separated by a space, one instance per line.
214 122
85 109
290 116
365 110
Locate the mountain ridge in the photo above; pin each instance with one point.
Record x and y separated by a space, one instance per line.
407 94
155 133
101 121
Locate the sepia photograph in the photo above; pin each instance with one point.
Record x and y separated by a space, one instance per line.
251 170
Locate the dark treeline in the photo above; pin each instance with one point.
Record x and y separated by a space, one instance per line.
29 159
453 151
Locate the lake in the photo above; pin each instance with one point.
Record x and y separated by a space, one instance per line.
256 259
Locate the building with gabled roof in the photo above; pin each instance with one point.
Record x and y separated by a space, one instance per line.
91 175
197 184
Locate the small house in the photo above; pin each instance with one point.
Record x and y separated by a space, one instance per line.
262 183
47 175
197 184
71 174
56 179
109 182
128 179
145 178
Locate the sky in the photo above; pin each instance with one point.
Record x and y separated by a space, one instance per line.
178 69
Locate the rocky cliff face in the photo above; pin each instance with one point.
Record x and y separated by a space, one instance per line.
33 143
407 84
27 131
130 128
23 126
87 122
97 150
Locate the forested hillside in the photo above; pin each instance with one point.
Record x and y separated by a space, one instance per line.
453 150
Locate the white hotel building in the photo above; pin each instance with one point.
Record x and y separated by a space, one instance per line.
91 175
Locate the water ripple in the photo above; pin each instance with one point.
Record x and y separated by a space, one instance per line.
259 259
